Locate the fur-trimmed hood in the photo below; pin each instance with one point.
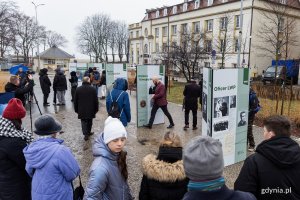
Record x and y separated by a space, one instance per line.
162 171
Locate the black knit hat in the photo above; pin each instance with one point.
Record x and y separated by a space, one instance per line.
46 125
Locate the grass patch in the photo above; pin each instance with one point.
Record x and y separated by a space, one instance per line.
175 95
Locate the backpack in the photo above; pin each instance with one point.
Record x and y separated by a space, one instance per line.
114 110
253 102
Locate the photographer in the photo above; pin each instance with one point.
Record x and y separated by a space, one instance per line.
14 86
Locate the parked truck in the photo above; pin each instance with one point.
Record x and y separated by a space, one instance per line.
286 70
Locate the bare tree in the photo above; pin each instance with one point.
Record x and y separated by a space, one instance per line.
278 31
121 38
113 39
7 31
187 55
55 39
224 43
27 34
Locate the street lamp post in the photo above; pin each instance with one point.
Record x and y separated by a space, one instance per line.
38 42
240 36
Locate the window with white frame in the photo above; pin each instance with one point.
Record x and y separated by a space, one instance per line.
174 9
146 32
157 14
156 47
209 25
236 45
197 4
174 29
164 47
165 12
131 34
184 7
281 24
184 28
50 61
145 49
208 45
237 21
137 34
196 27
210 2
156 32
223 23
165 31
283 1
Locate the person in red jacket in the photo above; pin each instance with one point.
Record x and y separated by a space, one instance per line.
159 101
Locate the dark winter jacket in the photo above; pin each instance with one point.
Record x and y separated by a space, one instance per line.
123 102
73 80
103 78
162 179
15 184
86 102
19 91
60 82
222 194
191 93
45 81
275 165
105 179
159 97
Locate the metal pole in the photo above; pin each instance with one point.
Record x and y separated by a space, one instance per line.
38 42
240 36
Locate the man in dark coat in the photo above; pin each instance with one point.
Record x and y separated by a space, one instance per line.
273 172
191 94
159 101
14 86
60 86
45 85
86 106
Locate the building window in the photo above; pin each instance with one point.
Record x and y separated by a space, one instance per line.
236 45
165 12
156 32
137 34
51 61
138 56
281 24
131 34
174 29
146 32
196 27
209 25
157 14
145 49
197 4
208 46
164 47
222 45
223 23
210 2
184 7
184 28
237 21
156 47
165 31
283 1
174 9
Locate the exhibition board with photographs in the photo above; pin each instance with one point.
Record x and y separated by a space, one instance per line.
145 92
225 110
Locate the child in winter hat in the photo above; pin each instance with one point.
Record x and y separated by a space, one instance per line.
113 129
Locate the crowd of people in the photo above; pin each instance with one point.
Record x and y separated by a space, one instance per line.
44 168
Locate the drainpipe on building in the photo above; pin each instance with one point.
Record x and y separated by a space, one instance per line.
250 40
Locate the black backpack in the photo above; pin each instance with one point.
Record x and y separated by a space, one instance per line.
254 106
114 110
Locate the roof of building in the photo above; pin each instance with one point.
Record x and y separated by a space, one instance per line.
151 13
55 53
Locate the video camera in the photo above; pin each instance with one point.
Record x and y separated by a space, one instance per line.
30 72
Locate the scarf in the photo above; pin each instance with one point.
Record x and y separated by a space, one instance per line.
8 129
206 185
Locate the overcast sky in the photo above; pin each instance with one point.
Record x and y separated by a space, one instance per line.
63 16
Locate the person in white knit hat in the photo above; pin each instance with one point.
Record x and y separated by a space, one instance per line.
108 173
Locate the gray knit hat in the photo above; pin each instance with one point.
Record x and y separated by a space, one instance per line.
203 159
46 125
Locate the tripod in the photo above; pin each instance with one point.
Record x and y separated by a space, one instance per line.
30 101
